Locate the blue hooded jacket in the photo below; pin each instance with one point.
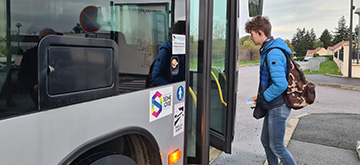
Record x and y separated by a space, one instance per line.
161 74
271 92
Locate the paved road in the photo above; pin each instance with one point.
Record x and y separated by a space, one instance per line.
326 138
246 148
303 64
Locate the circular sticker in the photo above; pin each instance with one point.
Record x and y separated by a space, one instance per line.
90 19
180 93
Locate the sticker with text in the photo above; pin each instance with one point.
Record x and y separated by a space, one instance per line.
160 103
179 118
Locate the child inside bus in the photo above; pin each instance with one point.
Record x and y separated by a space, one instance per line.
28 73
161 73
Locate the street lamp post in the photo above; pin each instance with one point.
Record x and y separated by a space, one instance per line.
350 38
357 11
18 25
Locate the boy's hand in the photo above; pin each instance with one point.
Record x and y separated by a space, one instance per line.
254 99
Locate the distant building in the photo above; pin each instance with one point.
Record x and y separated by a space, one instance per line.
320 50
332 49
329 51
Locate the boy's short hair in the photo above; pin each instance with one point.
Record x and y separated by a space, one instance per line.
179 27
45 32
259 23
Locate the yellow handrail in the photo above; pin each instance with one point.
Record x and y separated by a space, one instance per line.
219 88
223 74
193 96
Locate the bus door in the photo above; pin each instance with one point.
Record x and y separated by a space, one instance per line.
213 77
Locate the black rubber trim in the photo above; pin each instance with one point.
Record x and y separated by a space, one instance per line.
108 137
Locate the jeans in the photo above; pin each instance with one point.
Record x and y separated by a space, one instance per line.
272 136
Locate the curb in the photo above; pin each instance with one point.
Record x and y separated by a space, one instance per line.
358 148
290 127
337 86
246 65
341 76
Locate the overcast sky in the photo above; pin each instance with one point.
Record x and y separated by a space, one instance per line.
288 15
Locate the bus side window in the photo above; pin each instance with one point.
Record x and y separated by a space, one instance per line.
75 70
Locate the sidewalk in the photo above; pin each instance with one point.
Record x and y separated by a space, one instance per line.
335 81
325 138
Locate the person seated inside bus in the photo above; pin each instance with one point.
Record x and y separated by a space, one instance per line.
28 72
161 73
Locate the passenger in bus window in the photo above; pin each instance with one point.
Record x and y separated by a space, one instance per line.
28 74
273 83
161 73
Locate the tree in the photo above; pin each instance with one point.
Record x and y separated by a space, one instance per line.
248 44
312 35
219 31
342 31
356 35
243 39
318 43
78 29
302 41
289 45
326 38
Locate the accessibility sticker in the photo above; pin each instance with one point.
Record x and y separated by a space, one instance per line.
180 93
90 19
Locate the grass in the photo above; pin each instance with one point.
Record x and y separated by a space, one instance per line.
193 63
249 62
327 67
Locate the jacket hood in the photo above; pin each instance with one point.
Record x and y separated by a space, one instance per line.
280 43
167 45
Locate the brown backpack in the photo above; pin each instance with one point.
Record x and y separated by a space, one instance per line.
299 92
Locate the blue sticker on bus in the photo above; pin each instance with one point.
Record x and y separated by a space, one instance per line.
180 93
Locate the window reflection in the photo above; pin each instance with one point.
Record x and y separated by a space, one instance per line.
139 27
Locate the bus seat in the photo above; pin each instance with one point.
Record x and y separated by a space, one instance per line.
121 39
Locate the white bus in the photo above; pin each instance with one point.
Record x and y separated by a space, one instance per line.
79 96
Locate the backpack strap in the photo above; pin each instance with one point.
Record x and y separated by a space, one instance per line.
288 61
265 63
285 53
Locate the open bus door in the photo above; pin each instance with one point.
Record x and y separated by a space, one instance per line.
213 55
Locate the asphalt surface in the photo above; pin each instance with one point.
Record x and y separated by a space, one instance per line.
323 136
326 138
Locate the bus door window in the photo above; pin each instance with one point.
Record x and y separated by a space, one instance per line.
141 31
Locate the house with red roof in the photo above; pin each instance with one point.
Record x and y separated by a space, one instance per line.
332 49
329 51
341 58
320 50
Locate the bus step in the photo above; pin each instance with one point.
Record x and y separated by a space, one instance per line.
214 153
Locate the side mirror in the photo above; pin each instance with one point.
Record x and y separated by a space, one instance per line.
255 7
